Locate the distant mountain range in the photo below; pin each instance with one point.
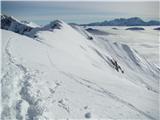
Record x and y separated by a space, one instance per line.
134 21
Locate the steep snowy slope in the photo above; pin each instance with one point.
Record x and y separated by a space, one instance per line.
59 73
146 42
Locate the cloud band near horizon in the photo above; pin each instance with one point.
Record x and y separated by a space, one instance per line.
79 12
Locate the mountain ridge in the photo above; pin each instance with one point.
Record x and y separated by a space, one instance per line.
133 21
60 72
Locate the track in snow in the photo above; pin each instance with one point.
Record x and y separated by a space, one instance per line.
95 87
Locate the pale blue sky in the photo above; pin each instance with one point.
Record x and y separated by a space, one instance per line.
79 12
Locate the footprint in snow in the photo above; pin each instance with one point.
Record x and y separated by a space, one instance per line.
88 115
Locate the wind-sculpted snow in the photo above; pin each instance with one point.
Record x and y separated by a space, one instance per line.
83 32
59 72
134 62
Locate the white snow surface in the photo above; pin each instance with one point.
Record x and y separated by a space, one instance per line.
146 42
60 74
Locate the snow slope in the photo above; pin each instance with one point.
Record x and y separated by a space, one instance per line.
58 73
146 42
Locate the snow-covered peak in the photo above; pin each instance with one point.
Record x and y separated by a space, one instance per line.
12 24
8 17
51 27
56 24
6 21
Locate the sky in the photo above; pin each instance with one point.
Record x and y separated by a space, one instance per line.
79 12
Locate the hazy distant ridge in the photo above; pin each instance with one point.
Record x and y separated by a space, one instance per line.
134 21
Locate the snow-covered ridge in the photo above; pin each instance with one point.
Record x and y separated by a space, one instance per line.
134 21
60 71
12 24
27 28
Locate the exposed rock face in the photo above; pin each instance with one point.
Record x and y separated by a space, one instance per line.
10 23
96 31
158 28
